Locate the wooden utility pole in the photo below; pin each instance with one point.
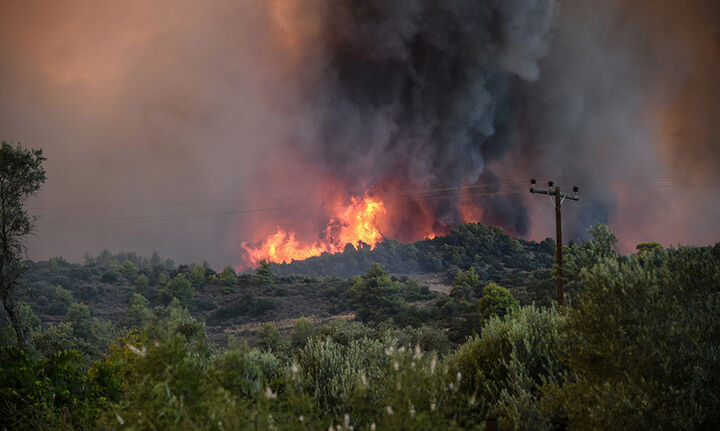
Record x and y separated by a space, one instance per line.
559 198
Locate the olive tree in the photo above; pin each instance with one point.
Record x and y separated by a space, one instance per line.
21 174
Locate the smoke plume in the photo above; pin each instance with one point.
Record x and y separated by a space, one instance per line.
418 94
178 126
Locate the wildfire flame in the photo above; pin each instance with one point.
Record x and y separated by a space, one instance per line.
352 223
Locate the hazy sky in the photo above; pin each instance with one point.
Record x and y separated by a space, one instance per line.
162 121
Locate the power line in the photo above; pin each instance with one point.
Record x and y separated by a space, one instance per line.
408 195
265 199
615 181
174 217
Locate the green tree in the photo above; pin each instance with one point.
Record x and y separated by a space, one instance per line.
29 320
180 288
197 276
642 349
264 274
465 283
137 314
302 331
507 366
78 315
129 271
270 338
142 284
226 278
63 299
21 174
163 279
496 301
375 296
602 245
650 247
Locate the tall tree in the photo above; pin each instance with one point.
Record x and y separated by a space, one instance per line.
21 174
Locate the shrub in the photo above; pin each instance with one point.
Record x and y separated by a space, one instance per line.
374 296
301 332
246 305
329 371
62 300
270 338
639 344
496 301
180 288
264 274
508 364
247 372
78 315
137 314
227 279
344 332
414 291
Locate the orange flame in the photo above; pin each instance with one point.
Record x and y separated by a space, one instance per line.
352 223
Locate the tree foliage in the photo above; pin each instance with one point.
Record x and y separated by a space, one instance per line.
496 301
375 296
264 273
642 350
21 174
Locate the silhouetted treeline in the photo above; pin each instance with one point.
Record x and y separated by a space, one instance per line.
488 249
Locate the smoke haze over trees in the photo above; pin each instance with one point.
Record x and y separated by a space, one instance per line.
138 103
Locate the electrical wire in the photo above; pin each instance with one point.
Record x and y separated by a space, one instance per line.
459 192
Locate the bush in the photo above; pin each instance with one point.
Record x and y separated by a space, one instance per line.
329 371
78 315
344 332
508 364
52 393
414 291
62 300
496 301
137 314
270 338
264 274
227 279
639 344
374 296
301 332
180 288
246 372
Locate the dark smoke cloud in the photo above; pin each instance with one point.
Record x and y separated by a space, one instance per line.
167 101
418 92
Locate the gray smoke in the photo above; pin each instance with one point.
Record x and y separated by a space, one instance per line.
419 92
178 101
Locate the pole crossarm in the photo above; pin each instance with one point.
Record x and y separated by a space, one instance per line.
560 197
563 195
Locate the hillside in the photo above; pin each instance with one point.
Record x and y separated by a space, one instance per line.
238 304
494 255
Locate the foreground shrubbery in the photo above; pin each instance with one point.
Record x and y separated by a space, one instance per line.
635 349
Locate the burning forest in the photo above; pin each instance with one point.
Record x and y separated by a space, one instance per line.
326 219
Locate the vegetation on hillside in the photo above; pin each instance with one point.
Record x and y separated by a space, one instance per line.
495 256
634 349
